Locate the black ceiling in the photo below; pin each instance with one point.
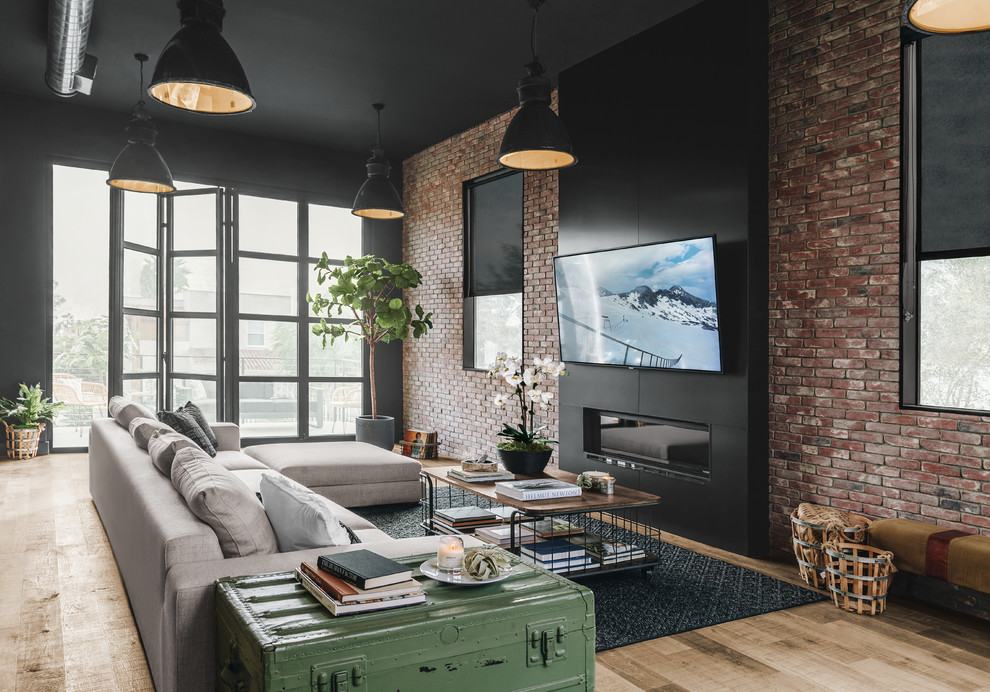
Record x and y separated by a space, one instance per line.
315 66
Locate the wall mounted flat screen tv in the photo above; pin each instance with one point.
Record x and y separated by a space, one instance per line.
647 306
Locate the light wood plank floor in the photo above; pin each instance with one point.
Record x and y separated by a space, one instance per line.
65 623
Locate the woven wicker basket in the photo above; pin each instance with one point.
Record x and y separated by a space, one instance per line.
858 576
22 443
813 525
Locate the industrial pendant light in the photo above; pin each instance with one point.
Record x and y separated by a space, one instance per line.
535 139
948 16
139 167
377 198
198 70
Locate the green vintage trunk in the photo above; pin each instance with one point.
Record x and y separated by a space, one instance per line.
532 631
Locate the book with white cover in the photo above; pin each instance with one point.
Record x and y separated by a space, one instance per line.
537 489
480 476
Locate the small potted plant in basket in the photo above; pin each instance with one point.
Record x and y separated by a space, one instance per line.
30 410
366 291
526 450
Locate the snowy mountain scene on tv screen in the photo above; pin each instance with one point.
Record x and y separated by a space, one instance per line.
650 306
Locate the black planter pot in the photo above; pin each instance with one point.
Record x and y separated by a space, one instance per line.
524 463
376 431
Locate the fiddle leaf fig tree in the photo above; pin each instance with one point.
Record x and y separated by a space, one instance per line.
367 291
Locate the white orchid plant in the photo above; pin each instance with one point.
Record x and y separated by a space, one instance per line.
528 388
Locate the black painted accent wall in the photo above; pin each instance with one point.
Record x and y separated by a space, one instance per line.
39 131
670 129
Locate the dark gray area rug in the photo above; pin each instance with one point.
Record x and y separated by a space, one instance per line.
686 591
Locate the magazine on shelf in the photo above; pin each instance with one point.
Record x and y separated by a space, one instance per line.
611 552
556 528
470 513
537 489
338 608
502 535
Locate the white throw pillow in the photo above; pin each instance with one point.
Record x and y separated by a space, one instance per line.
142 429
299 516
220 499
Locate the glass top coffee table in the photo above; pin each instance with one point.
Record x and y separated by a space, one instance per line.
575 536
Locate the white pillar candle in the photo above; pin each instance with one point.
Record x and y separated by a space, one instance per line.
450 553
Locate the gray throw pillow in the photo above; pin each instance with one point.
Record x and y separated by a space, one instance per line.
142 429
197 413
163 446
299 517
124 411
183 422
225 503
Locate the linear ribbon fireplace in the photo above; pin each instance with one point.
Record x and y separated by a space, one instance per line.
657 445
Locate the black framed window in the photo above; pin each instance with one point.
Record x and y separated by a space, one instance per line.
945 326
493 267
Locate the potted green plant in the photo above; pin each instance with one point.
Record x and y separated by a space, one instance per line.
526 450
367 291
30 410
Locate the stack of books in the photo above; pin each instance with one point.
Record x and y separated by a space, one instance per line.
464 519
538 489
480 476
557 555
501 535
614 552
359 581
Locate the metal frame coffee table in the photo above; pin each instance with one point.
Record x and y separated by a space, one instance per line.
617 517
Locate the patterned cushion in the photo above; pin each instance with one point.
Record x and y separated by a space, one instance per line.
124 411
183 422
142 429
197 413
223 501
163 447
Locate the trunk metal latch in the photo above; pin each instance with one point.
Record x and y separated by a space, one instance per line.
330 677
545 642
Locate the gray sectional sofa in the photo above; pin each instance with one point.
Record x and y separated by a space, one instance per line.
169 559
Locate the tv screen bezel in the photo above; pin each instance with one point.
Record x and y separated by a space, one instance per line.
648 368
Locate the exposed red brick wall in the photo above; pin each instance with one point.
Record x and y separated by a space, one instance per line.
438 393
837 434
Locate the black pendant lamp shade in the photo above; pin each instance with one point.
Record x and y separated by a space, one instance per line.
535 139
139 167
948 16
377 198
198 70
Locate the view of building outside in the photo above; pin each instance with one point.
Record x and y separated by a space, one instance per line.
80 300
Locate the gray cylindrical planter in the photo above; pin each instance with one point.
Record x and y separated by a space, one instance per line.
378 431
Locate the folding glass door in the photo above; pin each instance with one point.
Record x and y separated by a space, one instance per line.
194 301
167 309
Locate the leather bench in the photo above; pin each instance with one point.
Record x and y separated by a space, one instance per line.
946 567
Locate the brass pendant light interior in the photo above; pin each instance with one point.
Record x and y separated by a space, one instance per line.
948 16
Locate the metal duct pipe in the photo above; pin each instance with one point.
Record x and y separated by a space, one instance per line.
69 69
